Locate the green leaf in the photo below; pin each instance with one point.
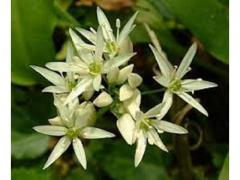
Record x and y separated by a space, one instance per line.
224 174
30 107
28 146
33 23
32 43
207 20
117 159
30 174
79 173
149 14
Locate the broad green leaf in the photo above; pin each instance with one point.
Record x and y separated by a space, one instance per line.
117 159
33 24
30 174
224 174
32 28
30 108
150 14
207 20
79 173
28 146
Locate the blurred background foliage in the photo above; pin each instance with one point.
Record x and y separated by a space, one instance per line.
39 34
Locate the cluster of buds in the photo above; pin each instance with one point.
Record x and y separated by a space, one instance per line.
96 75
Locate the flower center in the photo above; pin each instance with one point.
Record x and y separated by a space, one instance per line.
145 124
95 68
175 85
71 84
73 132
112 47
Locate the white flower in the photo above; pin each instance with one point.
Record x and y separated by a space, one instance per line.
91 66
144 127
73 125
171 77
120 44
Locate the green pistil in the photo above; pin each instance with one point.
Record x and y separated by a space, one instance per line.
95 68
175 85
145 124
111 47
73 133
71 85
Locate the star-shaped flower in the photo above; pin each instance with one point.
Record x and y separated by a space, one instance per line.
61 83
72 125
171 77
144 127
120 44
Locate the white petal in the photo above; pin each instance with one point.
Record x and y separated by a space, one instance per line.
58 66
163 63
156 140
134 80
156 110
79 43
139 116
133 104
141 146
87 34
190 85
78 90
55 89
167 103
170 127
85 115
95 133
56 121
70 52
53 77
97 82
125 92
99 43
117 61
58 150
127 29
190 100
126 46
103 99
126 126
123 73
162 80
51 130
183 68
79 152
103 21
112 75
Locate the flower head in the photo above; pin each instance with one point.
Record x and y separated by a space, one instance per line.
171 77
72 124
144 127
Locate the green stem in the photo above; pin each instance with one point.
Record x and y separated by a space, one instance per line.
153 91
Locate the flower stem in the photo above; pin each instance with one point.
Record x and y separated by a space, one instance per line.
153 91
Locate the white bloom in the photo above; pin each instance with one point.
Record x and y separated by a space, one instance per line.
144 127
73 125
171 77
61 84
91 66
120 44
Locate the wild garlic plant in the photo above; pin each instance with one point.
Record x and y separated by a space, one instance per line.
97 74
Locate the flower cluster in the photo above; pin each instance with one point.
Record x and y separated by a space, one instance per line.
97 74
